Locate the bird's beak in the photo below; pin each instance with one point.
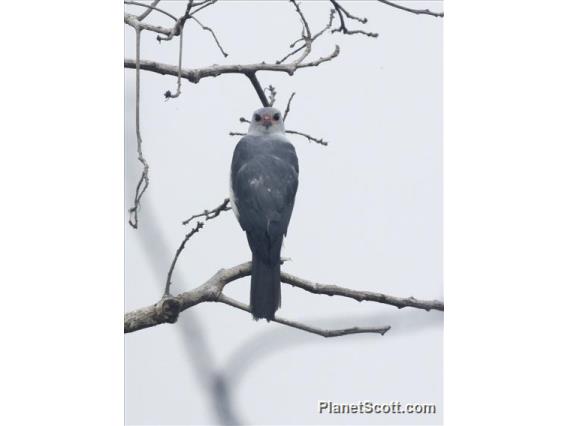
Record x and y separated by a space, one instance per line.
266 120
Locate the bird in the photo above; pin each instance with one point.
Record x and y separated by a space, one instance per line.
263 185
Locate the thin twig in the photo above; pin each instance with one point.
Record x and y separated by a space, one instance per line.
211 214
144 179
272 94
343 13
168 94
178 252
306 34
308 137
288 106
415 11
205 28
203 5
314 38
350 15
150 7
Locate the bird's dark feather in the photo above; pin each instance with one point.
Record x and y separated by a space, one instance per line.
264 181
264 177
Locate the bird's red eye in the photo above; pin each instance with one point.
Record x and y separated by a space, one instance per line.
256 117
276 117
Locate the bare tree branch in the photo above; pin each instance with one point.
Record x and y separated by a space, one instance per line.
177 29
168 94
415 11
178 252
308 137
211 214
195 75
258 88
144 14
144 179
215 70
287 110
150 7
203 4
292 132
310 329
205 28
133 21
168 309
360 296
343 13
224 206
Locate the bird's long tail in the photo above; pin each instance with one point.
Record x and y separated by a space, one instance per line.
265 288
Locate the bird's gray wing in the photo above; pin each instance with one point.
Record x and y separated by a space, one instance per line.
264 180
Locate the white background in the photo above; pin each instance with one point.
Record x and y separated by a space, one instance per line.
505 210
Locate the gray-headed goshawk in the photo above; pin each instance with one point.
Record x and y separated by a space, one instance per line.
264 180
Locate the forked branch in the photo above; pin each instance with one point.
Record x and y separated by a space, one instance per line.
168 309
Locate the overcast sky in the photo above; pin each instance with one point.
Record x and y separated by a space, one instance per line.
368 216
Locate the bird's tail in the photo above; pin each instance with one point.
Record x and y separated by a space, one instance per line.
264 288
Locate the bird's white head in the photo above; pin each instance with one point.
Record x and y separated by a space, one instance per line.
266 121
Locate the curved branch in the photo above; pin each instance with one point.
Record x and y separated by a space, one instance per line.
415 11
135 23
144 14
310 329
144 180
210 30
150 7
168 309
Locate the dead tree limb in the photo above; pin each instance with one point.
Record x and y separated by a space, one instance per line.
168 309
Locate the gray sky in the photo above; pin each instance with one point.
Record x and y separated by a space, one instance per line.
368 216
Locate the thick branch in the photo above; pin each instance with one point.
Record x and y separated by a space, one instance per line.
196 74
258 88
135 23
167 310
